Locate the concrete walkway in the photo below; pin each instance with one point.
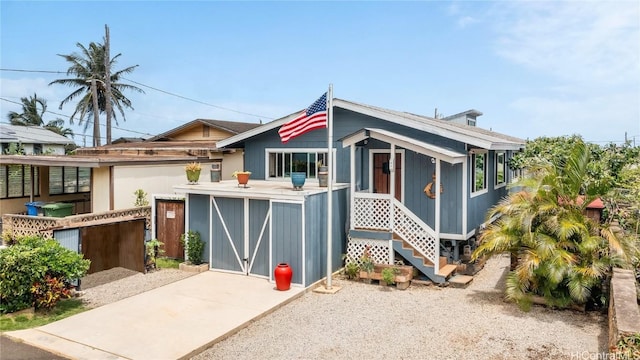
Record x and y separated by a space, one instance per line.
174 321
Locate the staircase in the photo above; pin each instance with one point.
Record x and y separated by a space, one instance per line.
425 266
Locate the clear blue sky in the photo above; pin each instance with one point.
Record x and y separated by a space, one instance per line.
533 68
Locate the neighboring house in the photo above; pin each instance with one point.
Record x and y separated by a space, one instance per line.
33 139
428 199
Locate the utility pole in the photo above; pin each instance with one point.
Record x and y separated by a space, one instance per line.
107 82
96 114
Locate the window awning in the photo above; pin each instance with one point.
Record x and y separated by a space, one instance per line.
450 156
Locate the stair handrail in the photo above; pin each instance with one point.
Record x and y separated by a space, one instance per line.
402 213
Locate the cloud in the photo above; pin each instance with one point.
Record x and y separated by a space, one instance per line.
581 41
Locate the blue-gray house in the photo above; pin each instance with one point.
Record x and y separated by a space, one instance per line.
424 203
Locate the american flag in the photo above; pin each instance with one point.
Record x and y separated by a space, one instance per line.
314 117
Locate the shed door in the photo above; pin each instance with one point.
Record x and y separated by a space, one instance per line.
240 236
170 226
382 177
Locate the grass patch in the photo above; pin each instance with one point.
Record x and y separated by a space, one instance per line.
167 263
63 309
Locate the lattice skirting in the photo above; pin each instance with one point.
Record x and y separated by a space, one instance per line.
379 250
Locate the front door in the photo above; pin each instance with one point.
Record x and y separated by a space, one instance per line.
382 177
170 226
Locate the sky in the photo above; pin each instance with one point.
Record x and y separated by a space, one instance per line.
533 68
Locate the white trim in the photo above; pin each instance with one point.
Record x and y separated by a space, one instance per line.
468 135
420 147
495 170
303 241
352 191
267 151
472 184
246 240
402 174
438 204
465 188
449 236
267 219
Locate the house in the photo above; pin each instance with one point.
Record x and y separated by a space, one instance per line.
32 139
427 200
102 179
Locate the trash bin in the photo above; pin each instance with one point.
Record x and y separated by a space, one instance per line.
58 209
33 207
216 170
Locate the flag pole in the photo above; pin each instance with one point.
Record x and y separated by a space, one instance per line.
329 182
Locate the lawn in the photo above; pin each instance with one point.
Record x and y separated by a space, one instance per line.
63 309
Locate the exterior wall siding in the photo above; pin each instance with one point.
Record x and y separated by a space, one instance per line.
286 240
478 206
199 219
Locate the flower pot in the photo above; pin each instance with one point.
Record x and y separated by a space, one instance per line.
298 179
193 176
283 274
243 178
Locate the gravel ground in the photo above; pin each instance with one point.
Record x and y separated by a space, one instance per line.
115 284
367 321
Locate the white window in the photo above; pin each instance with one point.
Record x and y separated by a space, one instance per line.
479 172
280 164
500 170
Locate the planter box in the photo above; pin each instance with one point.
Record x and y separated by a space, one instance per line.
194 268
403 279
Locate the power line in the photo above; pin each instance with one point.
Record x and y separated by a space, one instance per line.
152 88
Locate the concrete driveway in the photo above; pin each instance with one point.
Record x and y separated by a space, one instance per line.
170 322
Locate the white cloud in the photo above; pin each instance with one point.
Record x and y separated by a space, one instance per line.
578 41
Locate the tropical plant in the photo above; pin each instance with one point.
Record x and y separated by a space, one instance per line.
88 66
33 110
193 166
153 249
33 260
561 254
141 198
194 246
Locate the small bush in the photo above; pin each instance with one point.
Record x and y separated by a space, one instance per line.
28 262
628 347
194 247
47 293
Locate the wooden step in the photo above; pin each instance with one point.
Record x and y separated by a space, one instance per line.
446 270
460 280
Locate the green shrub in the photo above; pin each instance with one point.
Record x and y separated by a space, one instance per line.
194 247
628 347
389 275
28 262
48 292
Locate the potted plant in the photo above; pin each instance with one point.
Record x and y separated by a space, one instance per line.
299 174
194 248
242 176
153 250
193 172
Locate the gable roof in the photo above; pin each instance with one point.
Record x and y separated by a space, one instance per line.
471 135
31 135
232 127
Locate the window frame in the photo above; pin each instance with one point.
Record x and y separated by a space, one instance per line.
76 183
496 184
24 175
291 151
474 154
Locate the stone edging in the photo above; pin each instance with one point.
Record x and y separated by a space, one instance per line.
624 313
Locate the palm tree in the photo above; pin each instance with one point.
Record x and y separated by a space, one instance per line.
88 66
33 110
561 254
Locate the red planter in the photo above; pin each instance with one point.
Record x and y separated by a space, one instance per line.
283 274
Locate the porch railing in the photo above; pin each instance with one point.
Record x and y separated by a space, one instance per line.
382 212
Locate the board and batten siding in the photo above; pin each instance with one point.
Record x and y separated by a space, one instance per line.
199 218
287 229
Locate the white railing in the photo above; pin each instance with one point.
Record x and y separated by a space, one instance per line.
417 234
381 212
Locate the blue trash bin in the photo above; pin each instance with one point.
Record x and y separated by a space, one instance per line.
33 206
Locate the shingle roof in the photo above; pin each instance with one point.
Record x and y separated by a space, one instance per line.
233 127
